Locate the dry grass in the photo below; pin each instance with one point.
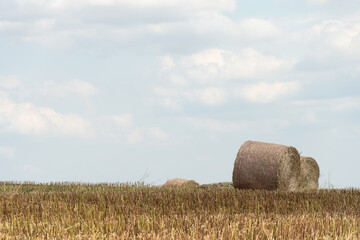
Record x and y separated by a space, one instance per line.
120 211
260 165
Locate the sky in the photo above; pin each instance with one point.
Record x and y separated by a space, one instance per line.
147 90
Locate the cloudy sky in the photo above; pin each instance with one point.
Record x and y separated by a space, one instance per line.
124 90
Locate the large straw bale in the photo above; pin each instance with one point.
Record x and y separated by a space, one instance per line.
309 174
180 182
260 165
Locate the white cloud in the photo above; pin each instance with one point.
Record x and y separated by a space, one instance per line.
211 96
181 5
216 125
172 97
124 127
251 128
157 133
267 92
335 34
166 92
53 39
256 28
177 80
166 62
219 29
65 23
68 88
335 38
171 103
115 125
25 118
347 104
205 58
189 73
43 30
136 136
11 27
217 5
124 121
6 152
9 82
222 64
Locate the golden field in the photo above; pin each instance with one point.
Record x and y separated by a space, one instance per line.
138 211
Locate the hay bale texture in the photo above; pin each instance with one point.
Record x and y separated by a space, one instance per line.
309 174
260 165
180 182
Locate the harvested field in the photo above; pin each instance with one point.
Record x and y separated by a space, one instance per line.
269 166
123 211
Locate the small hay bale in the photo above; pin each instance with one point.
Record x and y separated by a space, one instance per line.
218 185
180 182
309 174
269 166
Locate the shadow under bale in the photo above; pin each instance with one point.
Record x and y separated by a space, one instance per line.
269 166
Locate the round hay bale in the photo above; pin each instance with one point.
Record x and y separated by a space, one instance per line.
309 174
269 166
180 182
